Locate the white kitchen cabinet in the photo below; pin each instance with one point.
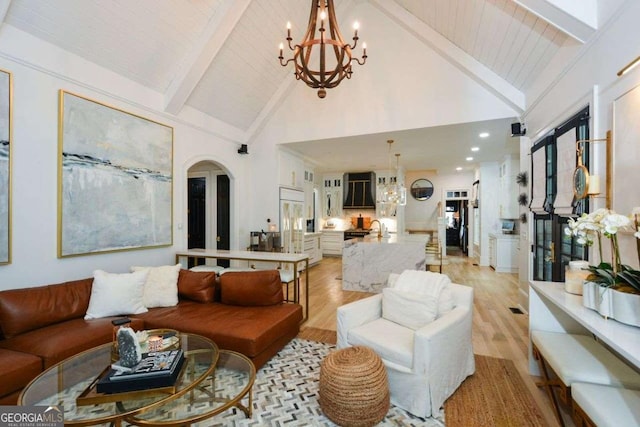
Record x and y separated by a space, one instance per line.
291 170
313 247
508 199
503 252
332 194
332 242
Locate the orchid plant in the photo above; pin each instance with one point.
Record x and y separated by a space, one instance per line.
607 223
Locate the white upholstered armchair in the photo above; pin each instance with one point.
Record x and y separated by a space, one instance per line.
424 366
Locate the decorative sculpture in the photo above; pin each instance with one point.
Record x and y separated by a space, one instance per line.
129 348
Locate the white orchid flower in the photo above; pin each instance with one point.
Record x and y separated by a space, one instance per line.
613 222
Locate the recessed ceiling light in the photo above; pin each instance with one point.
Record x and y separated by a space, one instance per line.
458 168
469 159
475 148
484 135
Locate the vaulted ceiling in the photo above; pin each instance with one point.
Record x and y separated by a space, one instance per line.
220 56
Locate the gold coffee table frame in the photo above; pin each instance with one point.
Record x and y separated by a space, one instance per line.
228 361
61 384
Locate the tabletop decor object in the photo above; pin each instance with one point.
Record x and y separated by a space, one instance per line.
157 369
611 288
128 348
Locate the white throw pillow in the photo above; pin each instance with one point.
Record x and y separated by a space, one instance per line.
445 302
412 310
161 287
116 294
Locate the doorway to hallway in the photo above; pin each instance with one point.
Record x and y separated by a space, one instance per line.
208 209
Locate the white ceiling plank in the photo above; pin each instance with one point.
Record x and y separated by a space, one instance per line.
203 53
557 14
465 62
4 7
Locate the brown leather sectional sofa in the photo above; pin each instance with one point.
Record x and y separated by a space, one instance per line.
240 311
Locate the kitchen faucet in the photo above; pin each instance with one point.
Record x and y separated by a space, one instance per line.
379 228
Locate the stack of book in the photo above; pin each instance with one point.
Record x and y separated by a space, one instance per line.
159 369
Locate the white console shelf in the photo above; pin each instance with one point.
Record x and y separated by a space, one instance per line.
552 309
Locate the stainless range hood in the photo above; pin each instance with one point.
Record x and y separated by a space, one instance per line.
359 190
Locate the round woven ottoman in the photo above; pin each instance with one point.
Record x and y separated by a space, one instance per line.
354 390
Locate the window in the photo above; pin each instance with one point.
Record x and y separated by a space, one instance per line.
553 160
553 249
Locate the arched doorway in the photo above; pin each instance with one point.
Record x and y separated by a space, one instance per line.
208 207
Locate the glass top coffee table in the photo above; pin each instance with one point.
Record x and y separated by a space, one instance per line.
69 384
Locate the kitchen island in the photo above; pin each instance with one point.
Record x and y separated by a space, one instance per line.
367 262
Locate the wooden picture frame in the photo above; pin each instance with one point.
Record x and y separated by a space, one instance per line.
115 179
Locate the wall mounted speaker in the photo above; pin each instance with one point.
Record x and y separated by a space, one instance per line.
243 149
517 129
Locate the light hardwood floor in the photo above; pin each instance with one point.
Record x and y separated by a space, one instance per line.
497 332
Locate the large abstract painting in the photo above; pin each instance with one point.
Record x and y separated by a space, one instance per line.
115 179
5 166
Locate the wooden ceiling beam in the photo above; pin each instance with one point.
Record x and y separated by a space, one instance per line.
579 20
4 8
196 62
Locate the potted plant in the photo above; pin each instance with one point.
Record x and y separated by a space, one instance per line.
612 288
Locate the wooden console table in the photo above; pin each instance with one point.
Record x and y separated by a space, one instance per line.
554 310
277 257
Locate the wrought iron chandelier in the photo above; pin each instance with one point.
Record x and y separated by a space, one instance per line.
390 193
329 51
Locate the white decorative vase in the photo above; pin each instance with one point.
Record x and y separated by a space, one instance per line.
626 307
597 298
611 303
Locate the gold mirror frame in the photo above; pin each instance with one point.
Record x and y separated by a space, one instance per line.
580 182
421 192
581 172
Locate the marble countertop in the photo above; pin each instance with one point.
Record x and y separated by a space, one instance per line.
391 239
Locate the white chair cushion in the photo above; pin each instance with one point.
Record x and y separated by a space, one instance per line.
409 309
608 406
234 269
579 358
427 282
446 302
215 268
392 342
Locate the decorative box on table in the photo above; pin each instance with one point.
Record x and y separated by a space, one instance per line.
159 369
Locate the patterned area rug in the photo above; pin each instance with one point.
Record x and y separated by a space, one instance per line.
285 393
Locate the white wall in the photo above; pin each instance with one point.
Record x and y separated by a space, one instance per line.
40 70
424 214
591 79
489 176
